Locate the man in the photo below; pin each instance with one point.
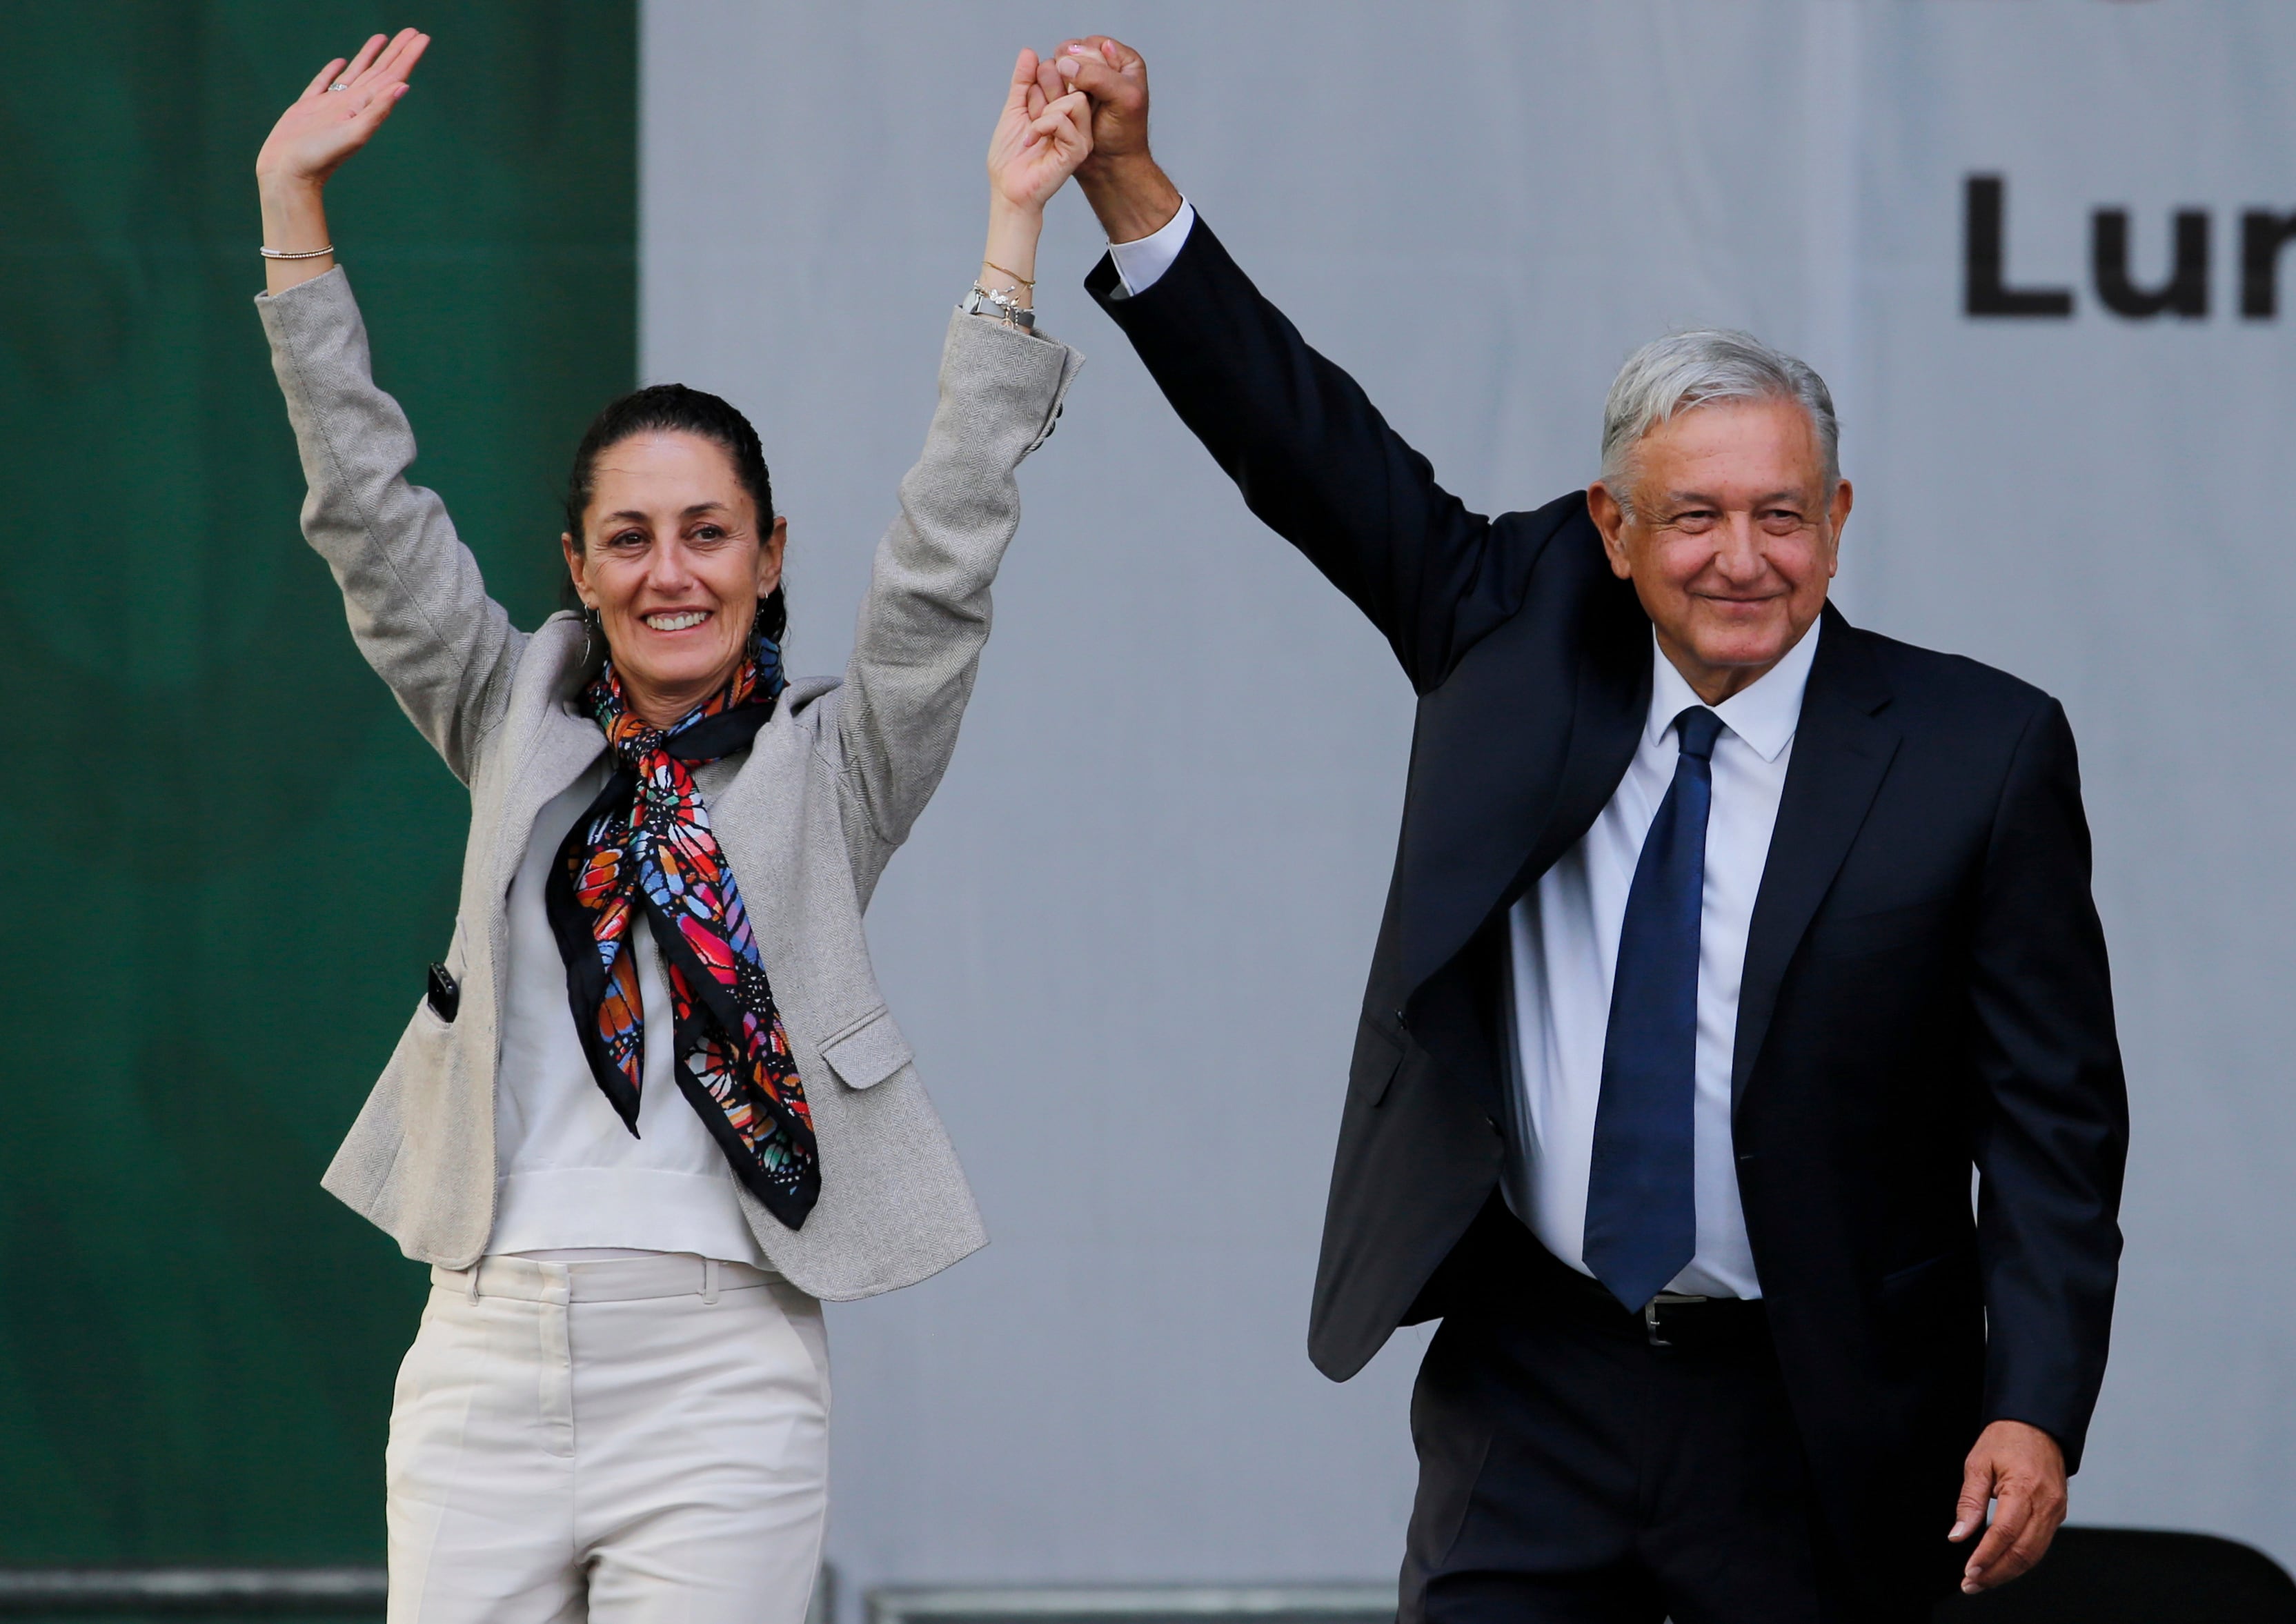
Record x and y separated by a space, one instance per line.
1725 940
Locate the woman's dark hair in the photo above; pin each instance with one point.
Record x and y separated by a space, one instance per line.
663 408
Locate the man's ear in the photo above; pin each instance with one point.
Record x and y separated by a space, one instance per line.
769 556
575 563
1610 517
1837 516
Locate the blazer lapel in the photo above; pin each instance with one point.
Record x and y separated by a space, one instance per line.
1504 781
1612 704
761 811
1841 754
563 746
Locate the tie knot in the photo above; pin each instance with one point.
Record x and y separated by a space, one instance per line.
1697 728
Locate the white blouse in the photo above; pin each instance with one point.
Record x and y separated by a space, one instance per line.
568 1175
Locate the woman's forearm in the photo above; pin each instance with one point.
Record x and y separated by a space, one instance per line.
1011 256
338 113
294 221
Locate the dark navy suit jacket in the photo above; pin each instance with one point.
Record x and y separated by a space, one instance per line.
1926 987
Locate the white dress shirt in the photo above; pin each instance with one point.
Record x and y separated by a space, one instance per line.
570 1177
1564 937
1139 263
1564 941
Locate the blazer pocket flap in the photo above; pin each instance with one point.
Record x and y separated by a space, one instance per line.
868 1053
1933 1286
1880 931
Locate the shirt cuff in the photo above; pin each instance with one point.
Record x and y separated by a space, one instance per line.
1138 263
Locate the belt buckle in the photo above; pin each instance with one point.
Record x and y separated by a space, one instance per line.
1649 1314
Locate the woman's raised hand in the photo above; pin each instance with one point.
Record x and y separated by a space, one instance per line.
1029 155
339 111
337 114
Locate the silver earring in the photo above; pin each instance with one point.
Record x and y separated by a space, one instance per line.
589 629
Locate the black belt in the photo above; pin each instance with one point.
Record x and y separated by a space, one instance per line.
1681 1322
1499 1270
1670 1319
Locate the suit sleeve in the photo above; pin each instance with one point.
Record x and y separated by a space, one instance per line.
2053 1133
1314 458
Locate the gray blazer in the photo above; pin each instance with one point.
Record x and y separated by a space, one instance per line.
828 790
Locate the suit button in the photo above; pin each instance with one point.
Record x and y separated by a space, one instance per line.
1402 1021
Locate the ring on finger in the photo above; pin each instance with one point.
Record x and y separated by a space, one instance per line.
339 84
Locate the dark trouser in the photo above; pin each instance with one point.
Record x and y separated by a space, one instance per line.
1569 1470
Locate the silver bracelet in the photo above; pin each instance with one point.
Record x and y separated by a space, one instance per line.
307 253
1000 303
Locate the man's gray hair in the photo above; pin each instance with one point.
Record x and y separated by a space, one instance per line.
1684 369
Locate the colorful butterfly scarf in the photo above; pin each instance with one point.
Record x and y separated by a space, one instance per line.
645 845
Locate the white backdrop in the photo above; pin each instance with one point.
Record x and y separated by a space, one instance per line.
1129 937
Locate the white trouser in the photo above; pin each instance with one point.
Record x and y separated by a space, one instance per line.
640 1440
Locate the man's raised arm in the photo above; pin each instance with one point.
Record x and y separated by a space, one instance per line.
1312 456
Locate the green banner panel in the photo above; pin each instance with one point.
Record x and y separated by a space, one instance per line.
233 856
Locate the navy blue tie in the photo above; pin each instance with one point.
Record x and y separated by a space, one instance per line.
1642 1197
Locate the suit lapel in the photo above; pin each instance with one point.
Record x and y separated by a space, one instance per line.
1612 703
1504 781
1841 751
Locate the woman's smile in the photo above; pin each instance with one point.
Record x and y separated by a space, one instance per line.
673 560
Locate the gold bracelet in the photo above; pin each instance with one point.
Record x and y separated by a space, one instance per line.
1015 275
308 253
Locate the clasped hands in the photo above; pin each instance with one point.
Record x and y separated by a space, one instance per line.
1131 195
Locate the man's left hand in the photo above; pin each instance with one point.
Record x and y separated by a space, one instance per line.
2019 1471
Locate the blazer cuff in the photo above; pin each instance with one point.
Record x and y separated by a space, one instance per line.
2071 1434
1142 262
1008 369
1172 285
322 301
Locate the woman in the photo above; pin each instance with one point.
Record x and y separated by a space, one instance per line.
653 1109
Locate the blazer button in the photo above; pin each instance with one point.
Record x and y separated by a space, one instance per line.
1401 1021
